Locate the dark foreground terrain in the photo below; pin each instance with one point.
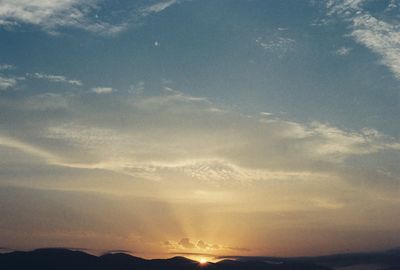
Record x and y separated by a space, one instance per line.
60 259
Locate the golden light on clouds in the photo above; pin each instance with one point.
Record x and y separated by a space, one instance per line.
218 181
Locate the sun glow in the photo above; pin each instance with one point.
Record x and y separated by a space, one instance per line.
203 261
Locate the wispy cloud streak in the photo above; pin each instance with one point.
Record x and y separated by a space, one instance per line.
51 15
382 37
54 78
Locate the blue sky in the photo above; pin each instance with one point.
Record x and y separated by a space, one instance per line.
284 57
228 109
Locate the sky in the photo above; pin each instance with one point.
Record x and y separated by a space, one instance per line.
202 127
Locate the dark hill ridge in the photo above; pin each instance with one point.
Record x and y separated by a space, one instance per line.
63 259
388 259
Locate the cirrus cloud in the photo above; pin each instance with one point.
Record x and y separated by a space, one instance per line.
52 15
6 83
102 90
379 33
54 78
158 135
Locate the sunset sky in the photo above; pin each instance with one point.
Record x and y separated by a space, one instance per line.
214 127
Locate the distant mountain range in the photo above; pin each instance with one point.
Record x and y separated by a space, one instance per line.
63 259
379 260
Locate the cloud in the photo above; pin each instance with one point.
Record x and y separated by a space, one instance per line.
326 203
53 14
380 36
279 45
197 254
167 243
158 7
138 88
102 90
239 249
46 102
392 4
202 163
342 51
54 78
174 133
203 245
185 243
344 7
6 67
6 83
27 148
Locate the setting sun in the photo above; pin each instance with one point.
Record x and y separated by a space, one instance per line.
203 261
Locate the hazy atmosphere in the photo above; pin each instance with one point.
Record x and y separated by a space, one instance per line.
201 128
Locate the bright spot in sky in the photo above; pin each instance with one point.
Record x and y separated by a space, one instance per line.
156 44
203 261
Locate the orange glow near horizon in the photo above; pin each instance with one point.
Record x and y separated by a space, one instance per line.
203 261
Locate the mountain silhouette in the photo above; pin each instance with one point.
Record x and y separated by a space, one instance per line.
63 259
384 260
388 258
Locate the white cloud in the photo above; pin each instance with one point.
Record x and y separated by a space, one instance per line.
344 7
393 4
52 14
6 67
382 37
276 44
55 78
102 90
342 51
158 7
6 83
337 144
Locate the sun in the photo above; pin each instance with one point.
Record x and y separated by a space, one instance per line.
203 261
